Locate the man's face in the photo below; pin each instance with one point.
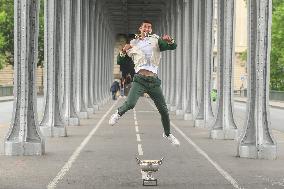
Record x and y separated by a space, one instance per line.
145 28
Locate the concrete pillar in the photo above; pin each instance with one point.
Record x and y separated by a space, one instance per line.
23 137
106 65
96 59
78 58
74 117
86 54
179 60
68 110
52 122
185 52
100 41
199 118
191 109
168 63
91 55
103 63
204 111
61 72
224 126
208 61
173 60
64 89
187 56
109 61
84 59
257 140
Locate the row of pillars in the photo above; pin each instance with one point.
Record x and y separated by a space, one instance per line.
186 72
78 56
78 70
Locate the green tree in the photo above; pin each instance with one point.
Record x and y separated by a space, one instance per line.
277 48
41 35
6 31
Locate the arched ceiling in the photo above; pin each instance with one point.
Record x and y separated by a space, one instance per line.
126 15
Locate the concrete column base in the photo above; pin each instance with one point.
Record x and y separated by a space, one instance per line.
268 152
96 107
53 131
105 101
228 134
173 108
24 148
180 114
73 121
188 116
91 110
83 115
199 123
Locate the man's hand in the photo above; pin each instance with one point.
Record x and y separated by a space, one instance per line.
167 38
126 47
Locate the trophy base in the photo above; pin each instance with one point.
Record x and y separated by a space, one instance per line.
151 182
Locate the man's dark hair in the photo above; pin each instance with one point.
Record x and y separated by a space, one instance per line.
146 21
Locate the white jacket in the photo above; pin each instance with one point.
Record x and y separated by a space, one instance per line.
138 56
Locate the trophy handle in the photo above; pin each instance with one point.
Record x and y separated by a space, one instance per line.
160 161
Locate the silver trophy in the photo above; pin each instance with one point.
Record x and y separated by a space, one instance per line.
148 167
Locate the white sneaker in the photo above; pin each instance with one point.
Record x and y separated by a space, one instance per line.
114 118
173 140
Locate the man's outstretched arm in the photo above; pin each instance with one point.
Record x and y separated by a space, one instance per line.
166 43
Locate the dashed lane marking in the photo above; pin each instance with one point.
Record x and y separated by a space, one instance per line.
140 151
138 138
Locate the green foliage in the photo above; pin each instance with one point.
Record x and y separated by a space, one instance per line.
243 55
2 61
41 35
7 32
277 49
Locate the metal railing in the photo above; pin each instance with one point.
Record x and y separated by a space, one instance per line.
6 91
273 95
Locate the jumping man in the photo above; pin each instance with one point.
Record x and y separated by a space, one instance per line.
145 51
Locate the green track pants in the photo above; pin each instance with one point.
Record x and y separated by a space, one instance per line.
152 86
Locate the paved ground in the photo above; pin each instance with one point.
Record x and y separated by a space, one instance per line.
105 159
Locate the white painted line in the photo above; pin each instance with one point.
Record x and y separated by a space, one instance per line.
140 151
224 173
77 152
138 138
